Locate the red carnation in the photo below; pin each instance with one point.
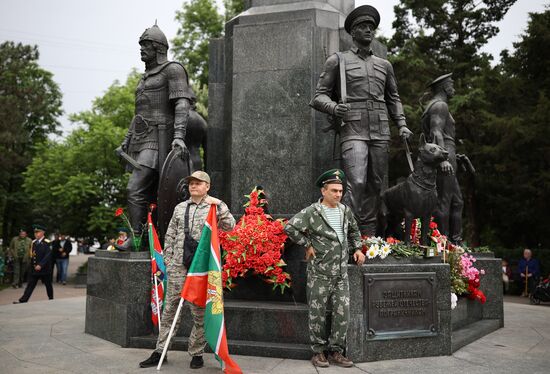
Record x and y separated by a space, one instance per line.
119 212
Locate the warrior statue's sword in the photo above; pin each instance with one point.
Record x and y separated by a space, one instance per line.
128 159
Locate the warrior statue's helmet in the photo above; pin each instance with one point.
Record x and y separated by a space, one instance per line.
155 35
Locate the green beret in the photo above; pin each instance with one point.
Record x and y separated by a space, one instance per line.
38 227
361 14
331 176
440 79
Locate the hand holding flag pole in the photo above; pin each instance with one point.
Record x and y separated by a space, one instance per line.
203 287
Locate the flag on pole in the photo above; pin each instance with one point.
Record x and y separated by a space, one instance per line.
203 287
158 271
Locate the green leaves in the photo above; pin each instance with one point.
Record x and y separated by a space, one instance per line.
30 103
200 22
77 183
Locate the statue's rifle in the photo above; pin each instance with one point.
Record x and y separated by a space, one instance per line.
408 154
337 122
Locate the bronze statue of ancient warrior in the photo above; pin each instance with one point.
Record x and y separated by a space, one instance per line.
155 145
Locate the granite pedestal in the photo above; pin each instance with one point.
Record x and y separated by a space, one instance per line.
118 296
400 308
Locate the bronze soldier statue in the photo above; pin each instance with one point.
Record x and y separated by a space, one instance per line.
438 126
164 100
361 90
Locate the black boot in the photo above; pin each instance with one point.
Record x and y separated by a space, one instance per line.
153 360
196 362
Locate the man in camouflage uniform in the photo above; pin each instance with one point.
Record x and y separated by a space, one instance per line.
199 205
163 101
327 229
365 103
20 247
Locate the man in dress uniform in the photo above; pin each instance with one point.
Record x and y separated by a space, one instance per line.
328 231
163 102
360 89
41 265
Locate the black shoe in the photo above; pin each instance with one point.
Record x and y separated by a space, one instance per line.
153 360
196 362
19 302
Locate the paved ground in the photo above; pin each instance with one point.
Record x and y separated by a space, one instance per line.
48 337
8 295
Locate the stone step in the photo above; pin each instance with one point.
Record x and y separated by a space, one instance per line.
472 332
237 347
264 321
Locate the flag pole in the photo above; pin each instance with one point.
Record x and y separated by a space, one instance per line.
157 297
172 328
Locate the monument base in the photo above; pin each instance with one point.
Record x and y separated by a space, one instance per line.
400 308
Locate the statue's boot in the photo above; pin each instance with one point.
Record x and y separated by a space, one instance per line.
138 218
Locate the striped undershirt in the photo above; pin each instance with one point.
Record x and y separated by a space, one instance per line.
335 220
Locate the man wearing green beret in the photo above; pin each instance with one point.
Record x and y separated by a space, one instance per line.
360 90
19 251
328 230
41 265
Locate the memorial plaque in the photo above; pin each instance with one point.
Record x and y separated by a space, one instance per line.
400 304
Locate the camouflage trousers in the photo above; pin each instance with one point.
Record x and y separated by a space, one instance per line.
322 291
197 342
19 269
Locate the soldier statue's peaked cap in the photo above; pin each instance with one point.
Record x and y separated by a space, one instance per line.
198 175
39 227
361 14
331 176
154 34
440 79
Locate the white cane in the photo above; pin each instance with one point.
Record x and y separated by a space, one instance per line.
157 297
170 334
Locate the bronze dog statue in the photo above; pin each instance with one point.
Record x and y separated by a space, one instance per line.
417 195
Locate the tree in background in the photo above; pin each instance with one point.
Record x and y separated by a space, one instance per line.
200 21
514 155
30 102
86 182
437 36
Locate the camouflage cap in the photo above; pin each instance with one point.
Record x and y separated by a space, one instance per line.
198 175
331 176
360 14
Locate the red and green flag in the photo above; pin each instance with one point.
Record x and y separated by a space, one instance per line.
203 287
158 271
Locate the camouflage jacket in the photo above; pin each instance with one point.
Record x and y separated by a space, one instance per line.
175 235
310 227
20 248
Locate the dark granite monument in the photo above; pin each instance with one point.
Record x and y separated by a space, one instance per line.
261 130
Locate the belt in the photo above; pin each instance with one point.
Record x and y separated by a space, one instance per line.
368 104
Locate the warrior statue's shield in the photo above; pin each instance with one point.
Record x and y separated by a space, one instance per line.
172 188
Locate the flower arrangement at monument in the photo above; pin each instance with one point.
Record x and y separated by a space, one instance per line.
136 241
465 277
255 246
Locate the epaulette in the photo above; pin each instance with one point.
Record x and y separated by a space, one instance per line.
47 240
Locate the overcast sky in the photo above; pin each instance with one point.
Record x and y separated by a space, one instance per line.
88 45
